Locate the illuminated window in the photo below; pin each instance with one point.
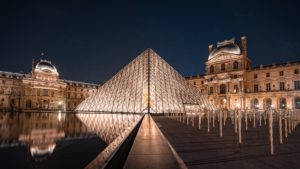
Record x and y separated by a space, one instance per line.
268 103
223 67
255 104
235 89
281 86
281 73
268 87
282 103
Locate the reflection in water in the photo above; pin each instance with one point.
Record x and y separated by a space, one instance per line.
113 128
108 126
39 131
42 141
241 119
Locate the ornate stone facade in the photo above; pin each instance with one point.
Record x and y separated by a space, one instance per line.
42 89
231 82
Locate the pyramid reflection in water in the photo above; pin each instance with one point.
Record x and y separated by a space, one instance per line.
109 126
148 84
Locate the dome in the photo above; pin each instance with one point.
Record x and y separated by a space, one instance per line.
227 46
45 66
39 151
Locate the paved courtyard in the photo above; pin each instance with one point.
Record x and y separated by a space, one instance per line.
199 148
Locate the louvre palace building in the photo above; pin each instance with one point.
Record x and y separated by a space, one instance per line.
41 89
231 82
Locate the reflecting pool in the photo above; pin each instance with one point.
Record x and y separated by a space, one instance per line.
61 140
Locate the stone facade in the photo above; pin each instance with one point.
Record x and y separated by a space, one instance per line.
41 89
230 81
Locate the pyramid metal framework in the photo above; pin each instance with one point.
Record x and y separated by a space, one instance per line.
148 84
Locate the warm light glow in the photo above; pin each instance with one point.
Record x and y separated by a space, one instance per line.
109 126
59 103
59 115
148 84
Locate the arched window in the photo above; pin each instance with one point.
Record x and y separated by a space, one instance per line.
268 103
235 89
282 103
222 89
211 69
28 104
255 104
235 65
45 104
223 67
297 102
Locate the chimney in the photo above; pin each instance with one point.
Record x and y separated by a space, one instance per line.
210 48
244 45
32 66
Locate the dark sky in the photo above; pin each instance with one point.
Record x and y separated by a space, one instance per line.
92 40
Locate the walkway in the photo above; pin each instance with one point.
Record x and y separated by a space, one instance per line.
150 149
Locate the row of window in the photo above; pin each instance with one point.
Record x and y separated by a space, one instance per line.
281 73
268 103
235 66
281 86
223 89
255 87
70 96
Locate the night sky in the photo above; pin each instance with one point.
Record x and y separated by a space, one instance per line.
90 41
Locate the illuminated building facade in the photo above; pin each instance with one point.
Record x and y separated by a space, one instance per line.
42 89
231 82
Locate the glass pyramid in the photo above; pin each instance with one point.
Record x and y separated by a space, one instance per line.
148 84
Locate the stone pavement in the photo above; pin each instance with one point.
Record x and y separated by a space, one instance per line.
199 148
151 150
